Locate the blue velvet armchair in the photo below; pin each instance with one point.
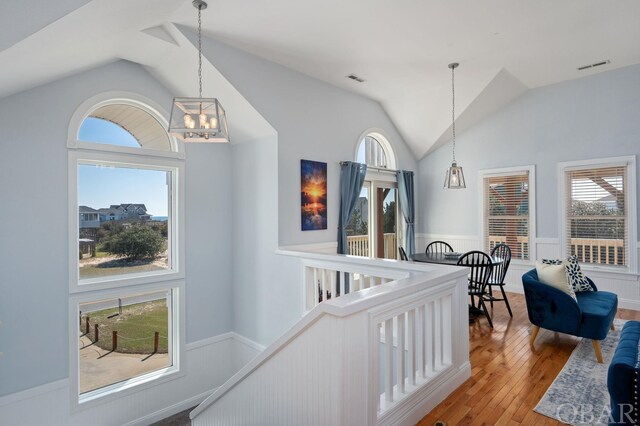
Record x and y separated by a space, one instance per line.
591 316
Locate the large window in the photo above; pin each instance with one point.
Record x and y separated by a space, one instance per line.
125 248
508 213
599 212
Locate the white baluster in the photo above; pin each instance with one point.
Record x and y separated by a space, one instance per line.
323 280
447 319
411 319
332 278
342 284
316 295
420 332
429 328
400 354
437 325
388 360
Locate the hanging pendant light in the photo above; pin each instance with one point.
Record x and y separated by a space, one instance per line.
454 178
199 119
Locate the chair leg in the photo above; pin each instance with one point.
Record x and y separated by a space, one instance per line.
534 334
506 301
491 296
484 309
596 348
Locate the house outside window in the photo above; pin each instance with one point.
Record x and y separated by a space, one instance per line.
598 201
508 210
126 249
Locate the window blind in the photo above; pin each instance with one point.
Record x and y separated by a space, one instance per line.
596 222
506 213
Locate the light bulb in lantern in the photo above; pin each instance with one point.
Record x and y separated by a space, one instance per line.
203 120
214 123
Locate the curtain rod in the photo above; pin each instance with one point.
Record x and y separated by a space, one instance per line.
377 169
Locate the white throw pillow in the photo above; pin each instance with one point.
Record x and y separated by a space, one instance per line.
555 276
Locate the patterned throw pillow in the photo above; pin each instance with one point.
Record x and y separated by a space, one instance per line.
575 276
577 279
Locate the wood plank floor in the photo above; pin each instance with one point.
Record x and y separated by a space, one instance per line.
507 378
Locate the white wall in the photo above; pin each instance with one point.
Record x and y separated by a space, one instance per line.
592 117
314 120
34 235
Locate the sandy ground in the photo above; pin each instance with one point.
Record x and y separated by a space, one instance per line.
96 372
161 261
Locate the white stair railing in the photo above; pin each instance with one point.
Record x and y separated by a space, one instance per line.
328 369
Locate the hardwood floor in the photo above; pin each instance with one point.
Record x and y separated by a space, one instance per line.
507 378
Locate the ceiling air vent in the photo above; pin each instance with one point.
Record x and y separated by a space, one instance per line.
597 64
356 78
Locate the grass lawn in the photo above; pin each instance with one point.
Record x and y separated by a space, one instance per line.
135 326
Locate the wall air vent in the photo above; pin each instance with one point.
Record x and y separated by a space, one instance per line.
597 64
356 78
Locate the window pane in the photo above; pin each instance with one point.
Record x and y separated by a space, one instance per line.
387 242
123 338
358 226
506 204
371 153
123 220
597 223
124 125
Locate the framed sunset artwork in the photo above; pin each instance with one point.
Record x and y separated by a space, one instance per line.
313 195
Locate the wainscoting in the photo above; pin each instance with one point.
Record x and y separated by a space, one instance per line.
209 363
625 285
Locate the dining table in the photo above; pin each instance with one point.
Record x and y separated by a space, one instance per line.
451 258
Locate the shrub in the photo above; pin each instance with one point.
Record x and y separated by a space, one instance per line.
134 242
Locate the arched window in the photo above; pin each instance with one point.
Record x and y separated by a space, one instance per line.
125 245
375 150
124 125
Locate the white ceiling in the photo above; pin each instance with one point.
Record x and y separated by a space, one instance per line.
400 48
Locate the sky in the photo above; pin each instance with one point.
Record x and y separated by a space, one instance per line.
100 186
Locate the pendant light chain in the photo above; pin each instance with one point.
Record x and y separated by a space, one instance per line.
453 112
200 50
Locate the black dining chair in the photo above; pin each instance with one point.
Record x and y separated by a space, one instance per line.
503 252
403 254
480 266
438 247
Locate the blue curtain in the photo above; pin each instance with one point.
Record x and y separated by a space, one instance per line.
407 204
351 179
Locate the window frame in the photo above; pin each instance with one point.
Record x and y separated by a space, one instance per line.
135 384
176 219
629 162
383 140
80 152
510 171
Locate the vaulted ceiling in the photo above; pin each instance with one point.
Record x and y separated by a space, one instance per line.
401 49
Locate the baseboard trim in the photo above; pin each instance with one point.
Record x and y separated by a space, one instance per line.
171 410
209 341
33 392
248 342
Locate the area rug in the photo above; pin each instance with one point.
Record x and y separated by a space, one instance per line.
578 396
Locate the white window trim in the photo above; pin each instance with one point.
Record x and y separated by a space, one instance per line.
176 196
381 137
122 98
533 234
632 222
136 384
